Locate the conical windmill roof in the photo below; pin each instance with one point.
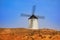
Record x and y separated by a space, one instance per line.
33 17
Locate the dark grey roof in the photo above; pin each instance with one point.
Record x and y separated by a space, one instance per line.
33 16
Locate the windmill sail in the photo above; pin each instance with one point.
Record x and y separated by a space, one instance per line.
33 9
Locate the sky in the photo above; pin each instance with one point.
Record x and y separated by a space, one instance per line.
10 11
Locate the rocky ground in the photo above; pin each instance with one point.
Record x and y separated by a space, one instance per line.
28 34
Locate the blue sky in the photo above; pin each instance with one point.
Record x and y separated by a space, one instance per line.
10 11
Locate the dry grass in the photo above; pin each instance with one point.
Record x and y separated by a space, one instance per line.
28 34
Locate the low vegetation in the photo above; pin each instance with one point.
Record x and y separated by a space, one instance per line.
28 34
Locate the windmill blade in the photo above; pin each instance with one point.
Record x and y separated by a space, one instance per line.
26 15
41 17
33 9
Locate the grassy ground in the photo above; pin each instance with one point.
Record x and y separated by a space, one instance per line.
28 34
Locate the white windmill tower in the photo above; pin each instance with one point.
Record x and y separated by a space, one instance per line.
33 20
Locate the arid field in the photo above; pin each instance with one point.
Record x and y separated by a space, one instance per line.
28 34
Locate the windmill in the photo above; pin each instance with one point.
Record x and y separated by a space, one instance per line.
33 19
